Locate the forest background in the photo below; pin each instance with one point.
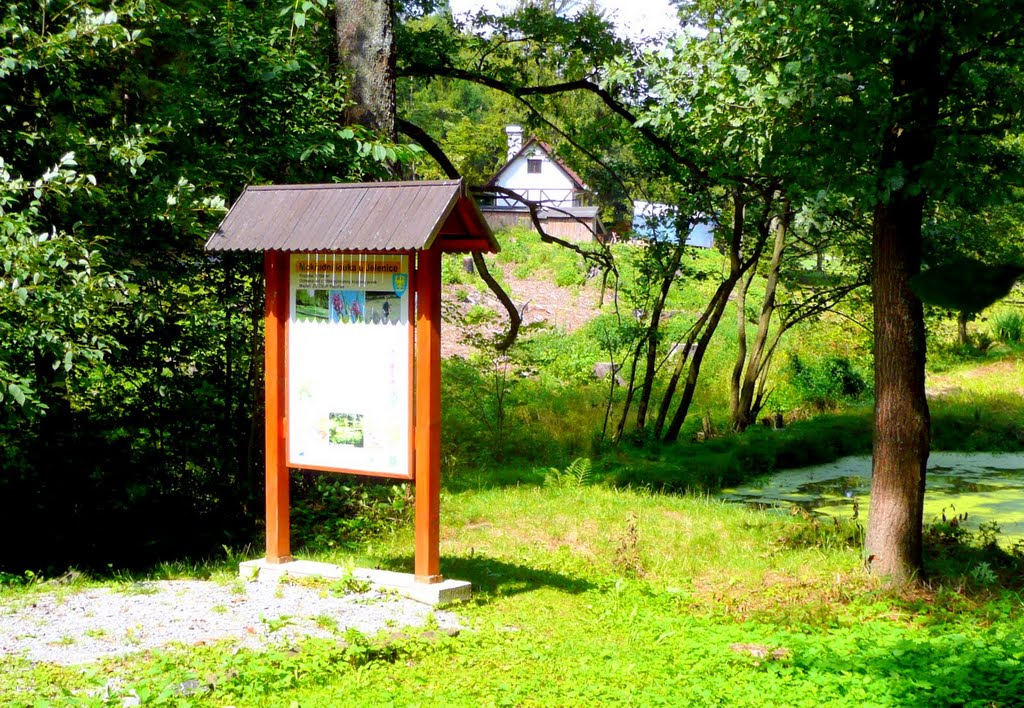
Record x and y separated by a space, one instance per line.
130 364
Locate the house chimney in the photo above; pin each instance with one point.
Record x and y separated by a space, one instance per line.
515 140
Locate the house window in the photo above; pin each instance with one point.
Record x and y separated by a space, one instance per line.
533 166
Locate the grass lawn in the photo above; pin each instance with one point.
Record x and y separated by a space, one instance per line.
591 595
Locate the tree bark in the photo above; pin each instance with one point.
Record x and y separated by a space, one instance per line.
961 328
667 279
902 424
366 48
745 404
708 322
693 373
736 378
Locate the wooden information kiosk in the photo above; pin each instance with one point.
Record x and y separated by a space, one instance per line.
353 335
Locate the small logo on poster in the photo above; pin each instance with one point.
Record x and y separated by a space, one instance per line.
399 282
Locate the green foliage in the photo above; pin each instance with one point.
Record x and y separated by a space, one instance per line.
479 314
452 272
337 511
55 290
494 410
971 557
532 258
734 459
475 405
517 246
129 358
562 359
217 674
825 383
827 532
13 579
577 592
966 285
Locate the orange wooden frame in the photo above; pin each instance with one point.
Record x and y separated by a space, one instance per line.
275 265
427 560
426 406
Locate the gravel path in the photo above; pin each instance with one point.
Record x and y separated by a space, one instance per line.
71 626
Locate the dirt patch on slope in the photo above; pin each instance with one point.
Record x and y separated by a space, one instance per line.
566 309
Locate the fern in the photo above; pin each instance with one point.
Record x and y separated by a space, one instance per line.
576 475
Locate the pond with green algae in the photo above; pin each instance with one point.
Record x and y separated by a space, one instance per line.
987 487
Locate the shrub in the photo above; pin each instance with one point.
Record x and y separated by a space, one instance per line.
825 383
570 274
515 246
561 357
480 314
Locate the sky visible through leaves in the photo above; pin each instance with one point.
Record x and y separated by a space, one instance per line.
634 18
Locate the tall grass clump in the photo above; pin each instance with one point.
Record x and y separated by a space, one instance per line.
453 272
498 409
1008 326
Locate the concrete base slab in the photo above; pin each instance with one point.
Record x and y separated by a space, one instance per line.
444 593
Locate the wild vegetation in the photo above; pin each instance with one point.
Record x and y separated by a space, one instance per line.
590 593
578 505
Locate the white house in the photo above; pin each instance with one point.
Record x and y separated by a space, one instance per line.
533 173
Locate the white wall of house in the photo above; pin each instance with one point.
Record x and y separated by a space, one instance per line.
551 186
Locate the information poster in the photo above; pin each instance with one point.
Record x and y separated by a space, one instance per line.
349 361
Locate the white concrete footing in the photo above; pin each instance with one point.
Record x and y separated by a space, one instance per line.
404 584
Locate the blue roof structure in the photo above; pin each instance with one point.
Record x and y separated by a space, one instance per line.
656 221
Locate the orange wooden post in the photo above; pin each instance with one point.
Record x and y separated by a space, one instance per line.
275 265
428 417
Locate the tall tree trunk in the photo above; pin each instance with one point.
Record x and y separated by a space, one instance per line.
693 373
746 406
668 277
630 389
738 266
902 424
736 377
684 359
691 357
961 328
366 48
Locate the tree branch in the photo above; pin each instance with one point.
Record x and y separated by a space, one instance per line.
617 107
515 319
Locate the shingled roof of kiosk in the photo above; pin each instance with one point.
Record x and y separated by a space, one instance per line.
372 216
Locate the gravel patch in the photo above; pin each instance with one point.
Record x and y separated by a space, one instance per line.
71 627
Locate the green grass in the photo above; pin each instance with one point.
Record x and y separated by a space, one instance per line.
529 257
593 595
979 406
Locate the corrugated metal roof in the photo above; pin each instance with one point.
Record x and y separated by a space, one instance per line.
374 216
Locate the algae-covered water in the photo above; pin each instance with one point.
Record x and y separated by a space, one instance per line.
985 486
